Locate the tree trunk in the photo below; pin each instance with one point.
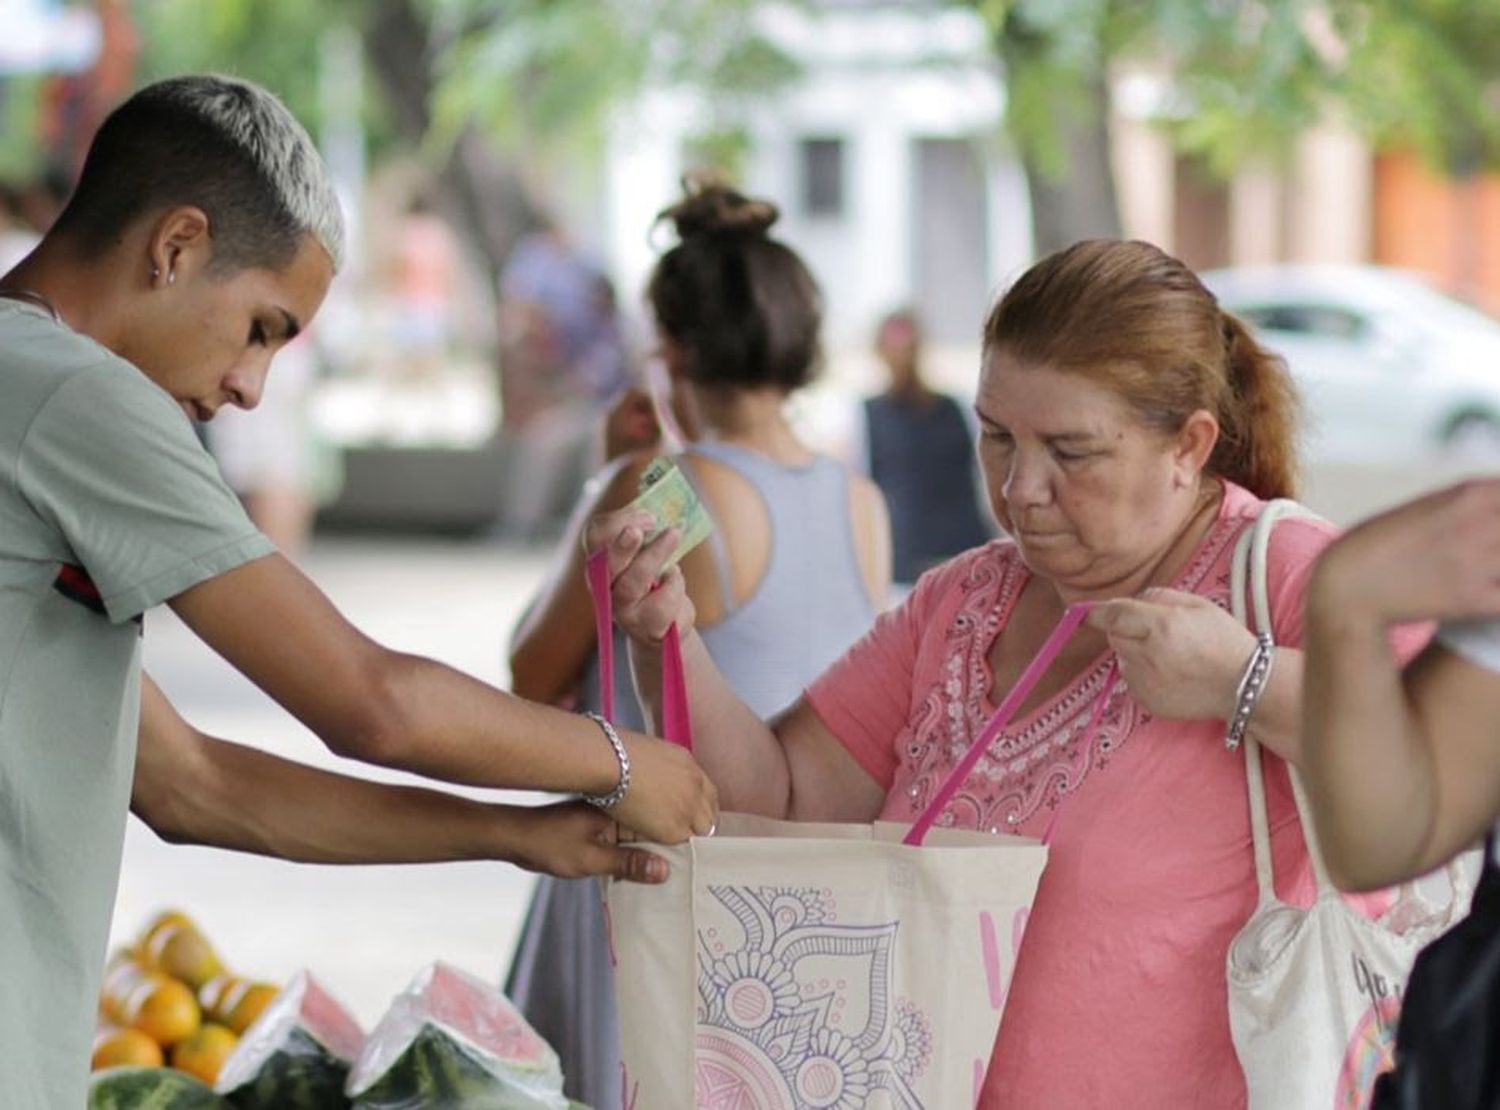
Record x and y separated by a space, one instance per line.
1077 200
483 195
1082 203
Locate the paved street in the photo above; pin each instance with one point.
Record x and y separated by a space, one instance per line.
366 931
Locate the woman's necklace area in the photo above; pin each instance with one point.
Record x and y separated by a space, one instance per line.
32 297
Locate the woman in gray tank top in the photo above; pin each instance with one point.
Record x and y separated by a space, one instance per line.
798 564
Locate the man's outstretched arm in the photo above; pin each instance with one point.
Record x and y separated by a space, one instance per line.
193 788
369 703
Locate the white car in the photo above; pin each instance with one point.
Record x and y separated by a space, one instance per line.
1390 369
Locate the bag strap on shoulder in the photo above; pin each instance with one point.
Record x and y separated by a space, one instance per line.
1250 602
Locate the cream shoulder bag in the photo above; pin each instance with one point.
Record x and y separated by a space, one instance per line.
1314 993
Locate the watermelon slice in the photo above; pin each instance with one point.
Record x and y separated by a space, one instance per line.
297 1054
133 1088
452 1040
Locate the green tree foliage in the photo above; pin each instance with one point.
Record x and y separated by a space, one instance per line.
20 155
531 74
1240 80
481 87
1426 73
547 74
274 42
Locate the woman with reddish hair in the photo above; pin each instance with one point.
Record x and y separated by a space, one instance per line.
1131 431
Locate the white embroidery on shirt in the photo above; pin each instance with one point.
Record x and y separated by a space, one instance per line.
1049 757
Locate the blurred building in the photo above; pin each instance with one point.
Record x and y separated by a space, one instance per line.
887 160
897 184
1335 201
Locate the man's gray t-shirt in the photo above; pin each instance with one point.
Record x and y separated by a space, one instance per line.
108 505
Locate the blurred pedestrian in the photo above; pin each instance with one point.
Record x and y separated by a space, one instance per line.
918 446
268 455
563 359
423 284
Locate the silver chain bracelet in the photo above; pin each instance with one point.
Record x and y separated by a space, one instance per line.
615 796
1253 683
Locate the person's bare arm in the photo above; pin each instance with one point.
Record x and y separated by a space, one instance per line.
792 768
826 782
872 538
553 642
194 788
1402 768
795 768
551 645
397 710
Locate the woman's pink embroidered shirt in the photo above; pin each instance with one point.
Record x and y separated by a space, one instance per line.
1119 996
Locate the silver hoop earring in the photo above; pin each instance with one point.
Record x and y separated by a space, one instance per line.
155 272
171 277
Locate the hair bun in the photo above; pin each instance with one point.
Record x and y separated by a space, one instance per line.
712 206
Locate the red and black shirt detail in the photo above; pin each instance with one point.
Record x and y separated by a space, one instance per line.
74 583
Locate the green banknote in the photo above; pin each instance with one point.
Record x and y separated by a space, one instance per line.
669 497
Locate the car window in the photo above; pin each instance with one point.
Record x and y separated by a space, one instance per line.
1311 321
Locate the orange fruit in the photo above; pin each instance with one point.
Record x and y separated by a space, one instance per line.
250 1003
203 1053
219 995
164 1009
121 982
160 922
125 1046
212 993
183 953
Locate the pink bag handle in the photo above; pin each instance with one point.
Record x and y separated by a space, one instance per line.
1072 617
677 725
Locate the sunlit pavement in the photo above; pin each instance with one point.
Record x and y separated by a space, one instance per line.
365 931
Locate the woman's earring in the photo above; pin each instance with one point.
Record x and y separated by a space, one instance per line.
171 277
155 272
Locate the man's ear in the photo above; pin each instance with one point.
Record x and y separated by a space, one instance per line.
180 245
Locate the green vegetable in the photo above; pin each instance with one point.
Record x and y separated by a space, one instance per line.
135 1088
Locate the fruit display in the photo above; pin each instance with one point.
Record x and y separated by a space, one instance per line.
296 1056
168 1004
235 1002
453 1040
180 1031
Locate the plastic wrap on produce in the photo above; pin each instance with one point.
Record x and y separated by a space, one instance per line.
451 1040
296 1056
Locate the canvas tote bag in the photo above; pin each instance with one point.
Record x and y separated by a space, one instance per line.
1314 993
789 964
